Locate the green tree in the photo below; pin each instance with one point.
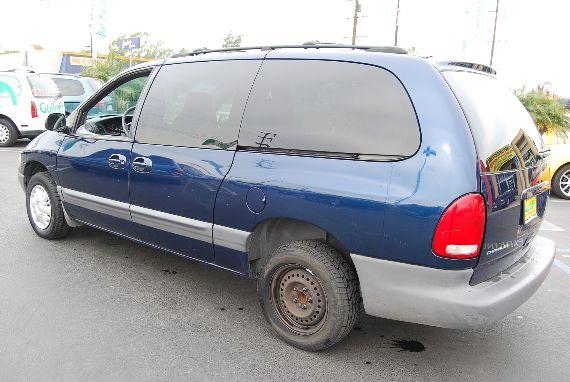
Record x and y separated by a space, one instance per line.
232 41
548 114
105 69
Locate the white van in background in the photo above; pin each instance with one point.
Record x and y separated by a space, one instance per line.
26 99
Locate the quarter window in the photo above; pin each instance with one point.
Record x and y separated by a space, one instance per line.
197 104
330 107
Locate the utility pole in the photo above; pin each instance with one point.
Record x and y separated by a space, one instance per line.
355 20
397 18
494 34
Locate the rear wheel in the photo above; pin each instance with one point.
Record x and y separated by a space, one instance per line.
45 211
561 182
309 294
8 133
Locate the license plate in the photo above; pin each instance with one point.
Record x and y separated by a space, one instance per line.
529 208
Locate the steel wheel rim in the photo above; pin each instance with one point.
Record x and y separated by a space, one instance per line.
298 299
40 207
4 133
565 183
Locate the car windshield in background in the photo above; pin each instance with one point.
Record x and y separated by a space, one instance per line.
504 132
94 83
69 87
43 87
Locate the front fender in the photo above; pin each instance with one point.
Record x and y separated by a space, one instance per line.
42 150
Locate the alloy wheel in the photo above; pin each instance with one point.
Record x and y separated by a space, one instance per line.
565 183
4 133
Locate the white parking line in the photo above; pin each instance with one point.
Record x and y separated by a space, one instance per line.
548 226
562 266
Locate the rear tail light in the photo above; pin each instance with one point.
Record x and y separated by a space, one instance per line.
34 109
459 232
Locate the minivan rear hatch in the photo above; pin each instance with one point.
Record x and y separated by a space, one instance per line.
511 167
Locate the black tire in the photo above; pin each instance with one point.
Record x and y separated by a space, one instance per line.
318 265
557 186
8 133
57 227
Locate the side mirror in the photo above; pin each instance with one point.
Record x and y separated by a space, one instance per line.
56 122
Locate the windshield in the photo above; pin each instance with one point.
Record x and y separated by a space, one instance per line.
504 132
69 87
43 87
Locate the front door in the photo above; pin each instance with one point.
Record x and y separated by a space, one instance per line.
93 161
184 145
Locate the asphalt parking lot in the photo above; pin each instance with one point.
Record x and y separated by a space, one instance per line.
97 307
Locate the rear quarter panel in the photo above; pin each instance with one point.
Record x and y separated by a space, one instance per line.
385 210
559 156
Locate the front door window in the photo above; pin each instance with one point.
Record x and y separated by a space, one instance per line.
105 117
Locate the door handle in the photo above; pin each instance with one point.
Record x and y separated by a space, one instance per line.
142 164
117 161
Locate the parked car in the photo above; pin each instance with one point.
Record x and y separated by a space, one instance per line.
75 89
340 177
559 163
26 99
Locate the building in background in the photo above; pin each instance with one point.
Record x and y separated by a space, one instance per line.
46 61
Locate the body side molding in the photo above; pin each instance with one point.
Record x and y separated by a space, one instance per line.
195 229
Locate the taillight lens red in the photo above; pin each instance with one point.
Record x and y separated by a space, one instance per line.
34 109
459 233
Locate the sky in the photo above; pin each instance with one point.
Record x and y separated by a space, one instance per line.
531 45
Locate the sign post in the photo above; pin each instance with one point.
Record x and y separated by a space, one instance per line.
130 44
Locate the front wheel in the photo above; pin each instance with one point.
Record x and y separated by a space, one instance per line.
310 295
44 207
8 133
561 182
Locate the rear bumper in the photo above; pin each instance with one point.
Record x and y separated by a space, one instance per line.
444 298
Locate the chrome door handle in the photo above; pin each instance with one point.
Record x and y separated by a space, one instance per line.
142 164
117 161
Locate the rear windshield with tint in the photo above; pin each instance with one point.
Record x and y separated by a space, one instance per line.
43 87
505 135
69 87
329 107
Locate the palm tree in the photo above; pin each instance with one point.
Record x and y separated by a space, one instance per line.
548 114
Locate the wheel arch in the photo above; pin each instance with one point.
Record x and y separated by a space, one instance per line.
270 234
31 168
4 116
560 165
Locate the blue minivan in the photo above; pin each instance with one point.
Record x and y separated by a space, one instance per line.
345 179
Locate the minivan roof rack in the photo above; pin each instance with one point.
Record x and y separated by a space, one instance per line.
310 45
471 65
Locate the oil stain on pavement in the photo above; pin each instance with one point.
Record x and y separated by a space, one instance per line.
408 345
